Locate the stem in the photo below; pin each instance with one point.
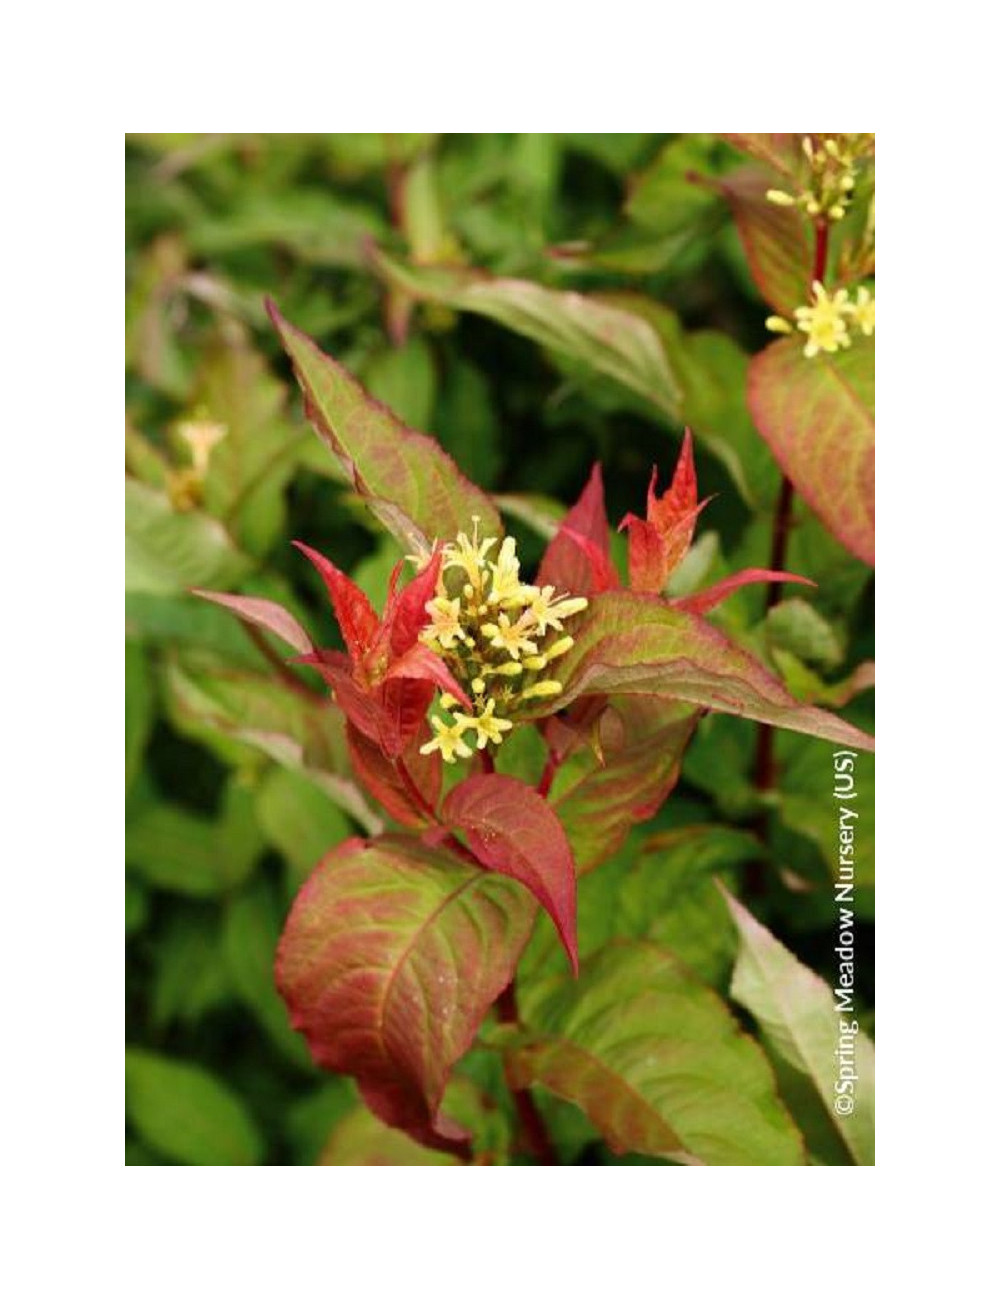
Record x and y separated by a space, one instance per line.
534 1134
273 658
548 775
765 771
819 255
486 758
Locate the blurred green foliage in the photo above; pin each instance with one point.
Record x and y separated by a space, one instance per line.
236 774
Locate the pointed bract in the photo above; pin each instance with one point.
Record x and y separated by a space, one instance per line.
658 543
578 557
357 620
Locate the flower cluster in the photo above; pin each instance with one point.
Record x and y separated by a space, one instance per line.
828 320
497 635
832 175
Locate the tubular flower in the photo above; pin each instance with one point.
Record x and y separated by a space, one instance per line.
825 321
496 635
829 320
448 738
831 174
863 312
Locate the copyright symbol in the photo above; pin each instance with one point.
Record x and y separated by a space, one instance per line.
844 1106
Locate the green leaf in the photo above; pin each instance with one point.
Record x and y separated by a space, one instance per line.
300 820
798 627
391 957
190 978
797 1013
604 338
817 414
250 930
808 805
411 486
360 1138
186 854
656 1062
188 1115
168 551
669 895
404 379
250 466
634 644
140 709
236 711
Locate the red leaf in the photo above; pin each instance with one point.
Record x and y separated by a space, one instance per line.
700 602
511 829
422 664
391 956
658 543
382 779
358 621
265 614
578 560
407 615
404 706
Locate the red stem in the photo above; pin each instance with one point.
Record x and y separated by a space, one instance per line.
819 255
533 1131
765 770
548 775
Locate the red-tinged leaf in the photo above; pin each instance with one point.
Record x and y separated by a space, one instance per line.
817 414
700 602
802 1023
655 1060
423 665
511 829
775 239
634 644
658 543
391 956
604 337
357 620
263 613
382 778
407 615
407 481
600 797
578 559
404 703
681 497
782 152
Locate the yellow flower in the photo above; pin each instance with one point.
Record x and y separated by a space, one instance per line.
469 555
445 625
512 637
201 437
825 321
548 613
506 584
488 727
449 739
863 312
